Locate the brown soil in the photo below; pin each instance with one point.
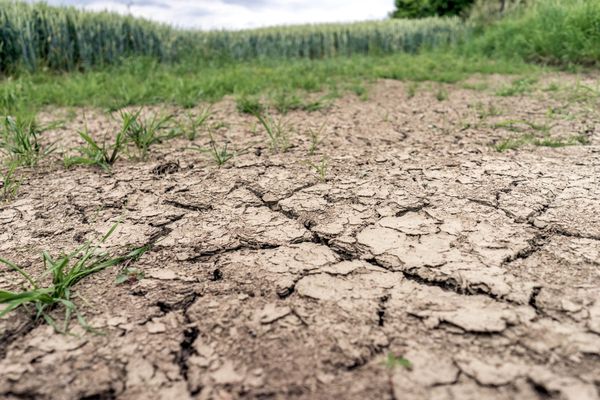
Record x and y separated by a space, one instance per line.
480 268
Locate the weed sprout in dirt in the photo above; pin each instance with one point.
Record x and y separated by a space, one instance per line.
19 139
219 153
316 137
9 182
193 123
92 153
278 132
56 286
144 133
320 168
141 133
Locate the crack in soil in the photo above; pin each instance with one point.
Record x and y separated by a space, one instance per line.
287 291
274 205
10 336
415 209
190 334
189 207
108 394
533 299
381 310
535 244
374 352
186 350
24 396
563 232
183 304
209 254
170 221
495 206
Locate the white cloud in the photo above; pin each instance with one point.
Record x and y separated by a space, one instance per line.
239 14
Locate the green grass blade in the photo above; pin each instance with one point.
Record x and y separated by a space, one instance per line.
20 271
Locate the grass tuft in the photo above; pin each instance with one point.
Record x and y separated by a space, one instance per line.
517 87
411 90
92 153
316 137
249 105
144 133
219 154
42 297
129 275
393 361
321 168
20 140
278 131
484 111
441 94
546 141
284 102
9 183
193 124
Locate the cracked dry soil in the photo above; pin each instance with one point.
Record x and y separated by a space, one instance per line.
480 268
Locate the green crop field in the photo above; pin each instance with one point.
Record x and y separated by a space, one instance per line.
37 36
34 36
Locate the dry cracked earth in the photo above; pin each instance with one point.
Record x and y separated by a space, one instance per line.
265 282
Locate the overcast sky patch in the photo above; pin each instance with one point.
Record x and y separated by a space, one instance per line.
239 14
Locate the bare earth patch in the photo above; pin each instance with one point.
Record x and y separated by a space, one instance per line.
423 242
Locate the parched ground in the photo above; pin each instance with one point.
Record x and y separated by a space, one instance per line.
480 268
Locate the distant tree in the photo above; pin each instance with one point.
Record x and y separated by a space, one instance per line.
430 8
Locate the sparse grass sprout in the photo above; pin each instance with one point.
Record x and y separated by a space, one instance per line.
278 131
219 154
316 137
321 168
129 275
194 123
517 87
65 271
20 140
393 361
10 183
143 133
441 94
546 141
92 153
249 105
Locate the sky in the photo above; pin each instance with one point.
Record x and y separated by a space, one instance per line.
239 14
